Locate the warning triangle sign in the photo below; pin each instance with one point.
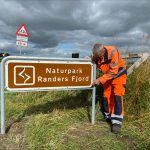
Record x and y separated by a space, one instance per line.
22 31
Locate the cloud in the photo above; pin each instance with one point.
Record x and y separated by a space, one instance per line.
55 23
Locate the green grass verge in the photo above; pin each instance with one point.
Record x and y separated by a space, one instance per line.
61 120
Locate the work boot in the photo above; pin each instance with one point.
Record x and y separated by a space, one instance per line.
106 120
116 128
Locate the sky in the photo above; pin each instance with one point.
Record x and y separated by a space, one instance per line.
58 28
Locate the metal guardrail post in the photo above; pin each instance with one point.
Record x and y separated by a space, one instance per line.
144 57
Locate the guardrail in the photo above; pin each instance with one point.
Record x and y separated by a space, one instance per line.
142 58
130 56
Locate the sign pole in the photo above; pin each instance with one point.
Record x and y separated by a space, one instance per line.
2 100
93 95
20 50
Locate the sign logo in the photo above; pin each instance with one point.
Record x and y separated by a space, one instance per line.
24 75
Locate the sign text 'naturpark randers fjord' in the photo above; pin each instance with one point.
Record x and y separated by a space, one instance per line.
47 74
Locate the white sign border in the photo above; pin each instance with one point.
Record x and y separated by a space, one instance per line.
48 62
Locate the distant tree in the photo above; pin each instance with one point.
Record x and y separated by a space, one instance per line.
4 54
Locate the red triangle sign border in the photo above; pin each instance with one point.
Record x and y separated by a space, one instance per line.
22 34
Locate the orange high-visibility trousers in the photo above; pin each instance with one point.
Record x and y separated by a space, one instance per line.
112 103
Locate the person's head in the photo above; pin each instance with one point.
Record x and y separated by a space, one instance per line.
98 51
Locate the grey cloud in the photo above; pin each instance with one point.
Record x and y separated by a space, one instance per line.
82 22
49 39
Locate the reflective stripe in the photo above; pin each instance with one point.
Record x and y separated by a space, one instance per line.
107 115
114 65
116 121
116 75
116 116
112 52
111 74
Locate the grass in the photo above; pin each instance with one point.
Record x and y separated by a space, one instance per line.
61 120
138 91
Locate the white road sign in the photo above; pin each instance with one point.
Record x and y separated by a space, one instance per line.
22 43
22 38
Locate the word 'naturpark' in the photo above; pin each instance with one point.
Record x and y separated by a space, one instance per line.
66 71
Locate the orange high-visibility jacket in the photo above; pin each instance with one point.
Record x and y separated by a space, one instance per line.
112 64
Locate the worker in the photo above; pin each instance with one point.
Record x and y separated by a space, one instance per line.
108 60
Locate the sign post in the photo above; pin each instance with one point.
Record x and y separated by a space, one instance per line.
93 95
22 35
2 80
41 74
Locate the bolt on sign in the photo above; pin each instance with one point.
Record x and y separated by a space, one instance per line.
27 75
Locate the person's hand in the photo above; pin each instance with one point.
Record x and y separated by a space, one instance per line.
96 82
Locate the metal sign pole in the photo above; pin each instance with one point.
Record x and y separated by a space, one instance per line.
20 50
93 95
2 99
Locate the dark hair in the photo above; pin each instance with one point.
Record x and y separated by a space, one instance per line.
97 47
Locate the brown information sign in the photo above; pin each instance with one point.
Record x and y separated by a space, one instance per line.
27 75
